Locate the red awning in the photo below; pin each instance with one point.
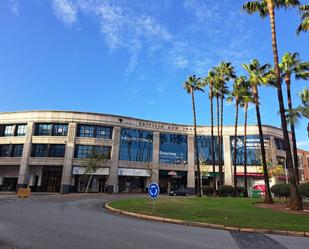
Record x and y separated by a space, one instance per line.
250 174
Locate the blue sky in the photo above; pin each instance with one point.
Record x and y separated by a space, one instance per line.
130 57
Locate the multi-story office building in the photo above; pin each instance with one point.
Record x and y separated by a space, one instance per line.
46 150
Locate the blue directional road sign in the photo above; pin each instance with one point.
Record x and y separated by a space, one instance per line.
153 190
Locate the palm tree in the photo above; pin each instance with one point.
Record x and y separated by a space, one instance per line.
237 94
259 75
245 100
304 26
291 64
191 85
265 8
225 72
209 80
302 110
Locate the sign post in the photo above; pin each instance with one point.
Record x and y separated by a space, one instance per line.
153 192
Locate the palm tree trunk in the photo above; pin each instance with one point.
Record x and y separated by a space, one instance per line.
295 201
218 128
235 146
245 149
199 189
288 89
212 138
221 139
268 198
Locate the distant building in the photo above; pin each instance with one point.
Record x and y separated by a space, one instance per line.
45 150
303 159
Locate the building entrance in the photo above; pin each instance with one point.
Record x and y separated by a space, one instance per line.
9 184
51 179
132 184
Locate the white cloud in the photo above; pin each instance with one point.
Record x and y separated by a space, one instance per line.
121 26
303 143
65 10
14 7
151 102
160 87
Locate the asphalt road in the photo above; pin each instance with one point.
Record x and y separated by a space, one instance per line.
75 221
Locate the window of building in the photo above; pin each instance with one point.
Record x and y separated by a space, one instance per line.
205 152
173 148
84 151
57 150
43 129
60 129
51 129
39 150
279 144
21 130
85 131
17 150
95 131
136 145
104 132
253 149
5 150
8 130
48 150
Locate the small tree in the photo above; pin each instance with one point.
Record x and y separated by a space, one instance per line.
92 163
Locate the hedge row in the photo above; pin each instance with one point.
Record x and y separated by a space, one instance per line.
283 190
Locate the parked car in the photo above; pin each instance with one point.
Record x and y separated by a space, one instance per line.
180 192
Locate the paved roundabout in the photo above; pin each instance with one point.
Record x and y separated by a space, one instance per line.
78 221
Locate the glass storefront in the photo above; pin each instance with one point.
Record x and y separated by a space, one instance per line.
51 178
172 180
205 151
253 149
173 148
136 145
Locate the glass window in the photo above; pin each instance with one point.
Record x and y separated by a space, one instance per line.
21 130
39 150
85 131
57 150
43 129
104 132
279 144
136 145
253 149
83 151
17 150
205 152
60 129
5 150
8 130
173 148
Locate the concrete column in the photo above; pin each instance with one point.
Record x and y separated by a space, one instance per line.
66 180
155 157
191 166
24 169
112 186
228 166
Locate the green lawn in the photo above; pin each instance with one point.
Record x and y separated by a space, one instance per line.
238 212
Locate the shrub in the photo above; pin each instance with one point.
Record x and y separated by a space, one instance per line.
241 190
226 190
281 190
304 189
208 190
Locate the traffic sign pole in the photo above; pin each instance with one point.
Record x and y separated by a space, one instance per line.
153 192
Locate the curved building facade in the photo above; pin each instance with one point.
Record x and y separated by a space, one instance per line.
46 151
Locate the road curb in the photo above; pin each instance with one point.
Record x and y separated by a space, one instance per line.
206 225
